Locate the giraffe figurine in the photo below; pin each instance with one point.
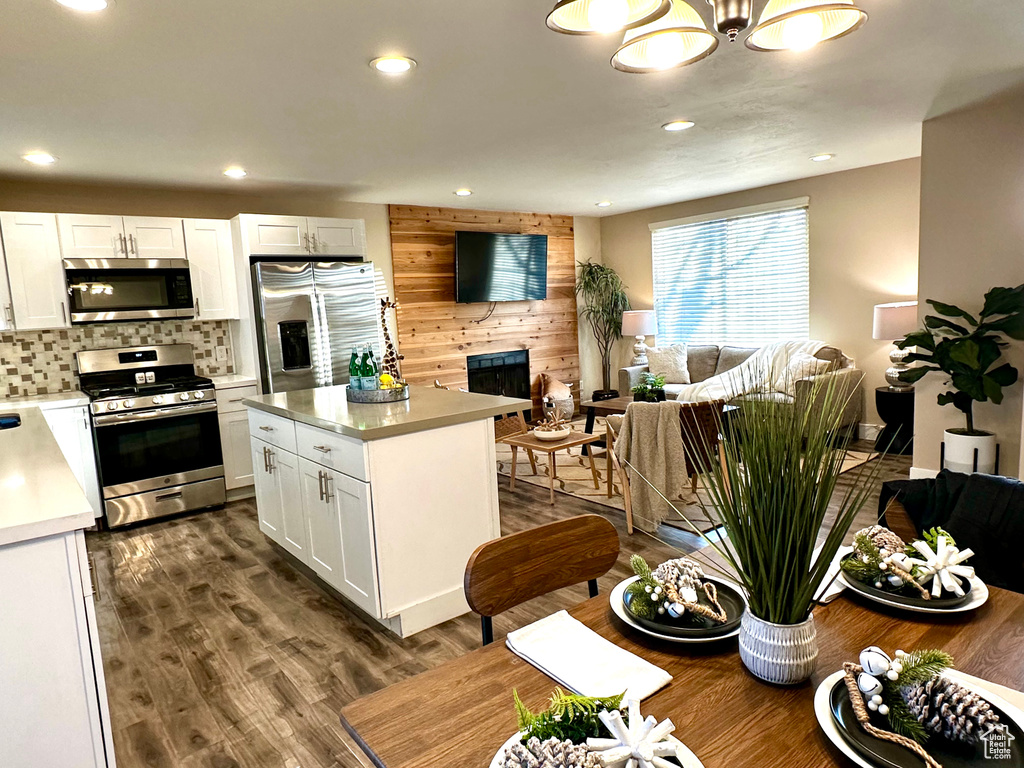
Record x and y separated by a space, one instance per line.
389 363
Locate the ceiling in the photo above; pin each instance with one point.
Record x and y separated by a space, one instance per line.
172 92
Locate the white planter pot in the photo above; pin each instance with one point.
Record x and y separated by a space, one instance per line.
959 452
783 654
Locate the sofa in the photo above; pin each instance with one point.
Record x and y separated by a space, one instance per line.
706 360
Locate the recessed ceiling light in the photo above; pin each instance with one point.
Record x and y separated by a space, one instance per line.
463 192
604 204
393 65
823 158
39 158
234 172
86 6
678 125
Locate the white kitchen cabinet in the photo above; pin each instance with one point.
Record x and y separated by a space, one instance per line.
70 427
89 236
32 252
155 237
268 491
277 479
336 237
302 236
212 265
53 711
234 442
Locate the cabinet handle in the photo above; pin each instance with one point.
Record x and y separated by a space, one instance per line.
197 307
321 448
265 428
320 483
93 580
270 458
236 400
327 489
305 241
9 314
315 246
63 312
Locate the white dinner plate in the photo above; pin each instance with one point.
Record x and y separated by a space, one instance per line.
619 608
685 757
979 595
823 711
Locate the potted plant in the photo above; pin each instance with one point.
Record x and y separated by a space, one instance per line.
968 352
604 301
771 491
650 388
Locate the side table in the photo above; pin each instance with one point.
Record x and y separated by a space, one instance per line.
896 409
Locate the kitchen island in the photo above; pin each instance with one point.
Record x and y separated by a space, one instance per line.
53 710
383 502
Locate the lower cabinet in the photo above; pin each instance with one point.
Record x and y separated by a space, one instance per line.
234 443
279 505
70 427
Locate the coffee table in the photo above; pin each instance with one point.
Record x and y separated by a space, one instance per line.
550 447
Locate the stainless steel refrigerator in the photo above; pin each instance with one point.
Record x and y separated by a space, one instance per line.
309 316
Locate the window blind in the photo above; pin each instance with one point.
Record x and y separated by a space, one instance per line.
740 279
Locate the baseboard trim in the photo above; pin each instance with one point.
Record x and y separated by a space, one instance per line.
918 473
868 431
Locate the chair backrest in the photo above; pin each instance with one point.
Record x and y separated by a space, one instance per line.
700 424
506 572
508 426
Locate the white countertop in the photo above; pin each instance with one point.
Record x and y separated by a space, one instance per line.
39 495
232 380
56 400
426 408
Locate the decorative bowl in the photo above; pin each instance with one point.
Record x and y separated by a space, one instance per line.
551 435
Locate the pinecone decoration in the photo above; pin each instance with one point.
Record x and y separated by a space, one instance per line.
945 708
550 753
684 574
883 538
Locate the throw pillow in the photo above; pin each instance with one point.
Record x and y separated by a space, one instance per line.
800 366
553 388
669 362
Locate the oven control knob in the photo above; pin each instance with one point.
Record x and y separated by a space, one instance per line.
198 395
111 406
157 399
128 403
183 396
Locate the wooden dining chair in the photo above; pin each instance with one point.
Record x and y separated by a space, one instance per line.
512 425
507 572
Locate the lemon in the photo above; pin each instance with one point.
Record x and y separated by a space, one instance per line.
387 380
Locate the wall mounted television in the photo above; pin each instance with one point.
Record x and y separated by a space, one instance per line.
500 267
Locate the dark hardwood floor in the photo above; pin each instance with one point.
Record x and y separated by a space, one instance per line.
219 653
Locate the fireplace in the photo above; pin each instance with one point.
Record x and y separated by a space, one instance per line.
504 373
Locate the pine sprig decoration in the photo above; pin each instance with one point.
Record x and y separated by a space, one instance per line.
918 667
568 717
864 549
640 567
902 720
642 600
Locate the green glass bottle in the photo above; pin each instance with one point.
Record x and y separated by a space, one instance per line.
368 377
354 380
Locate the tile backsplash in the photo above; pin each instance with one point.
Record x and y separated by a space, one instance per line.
43 362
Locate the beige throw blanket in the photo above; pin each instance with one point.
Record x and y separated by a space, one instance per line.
651 443
755 374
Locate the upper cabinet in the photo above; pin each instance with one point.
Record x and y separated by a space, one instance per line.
87 236
301 236
33 256
211 263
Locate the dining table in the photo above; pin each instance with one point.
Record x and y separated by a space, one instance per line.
459 714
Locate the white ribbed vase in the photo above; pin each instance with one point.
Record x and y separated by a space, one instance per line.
783 654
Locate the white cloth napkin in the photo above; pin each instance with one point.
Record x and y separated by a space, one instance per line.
837 586
584 662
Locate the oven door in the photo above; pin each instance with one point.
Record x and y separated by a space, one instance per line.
105 290
160 448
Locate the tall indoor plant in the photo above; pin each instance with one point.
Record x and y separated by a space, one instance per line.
771 489
968 352
604 301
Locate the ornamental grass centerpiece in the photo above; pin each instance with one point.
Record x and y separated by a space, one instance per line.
770 489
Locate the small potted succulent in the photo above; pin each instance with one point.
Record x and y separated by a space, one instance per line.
649 389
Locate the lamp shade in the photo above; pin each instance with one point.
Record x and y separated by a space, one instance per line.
639 323
796 25
600 17
894 321
676 39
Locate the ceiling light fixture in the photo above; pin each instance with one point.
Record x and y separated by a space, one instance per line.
393 65
85 6
601 17
463 192
604 204
39 158
234 172
678 38
797 25
678 125
822 158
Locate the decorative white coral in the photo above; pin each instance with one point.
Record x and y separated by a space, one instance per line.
641 745
940 566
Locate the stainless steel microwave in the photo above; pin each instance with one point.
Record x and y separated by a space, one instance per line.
109 290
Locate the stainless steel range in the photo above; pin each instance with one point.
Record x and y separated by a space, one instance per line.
155 430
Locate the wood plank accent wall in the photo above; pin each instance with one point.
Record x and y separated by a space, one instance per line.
435 334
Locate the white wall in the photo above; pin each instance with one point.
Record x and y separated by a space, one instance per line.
587 239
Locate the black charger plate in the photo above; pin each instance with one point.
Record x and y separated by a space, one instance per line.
691 626
884 754
897 597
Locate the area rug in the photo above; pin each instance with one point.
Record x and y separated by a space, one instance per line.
573 477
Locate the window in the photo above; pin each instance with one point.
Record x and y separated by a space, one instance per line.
739 277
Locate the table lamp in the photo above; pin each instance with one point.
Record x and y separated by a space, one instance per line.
892 322
640 324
